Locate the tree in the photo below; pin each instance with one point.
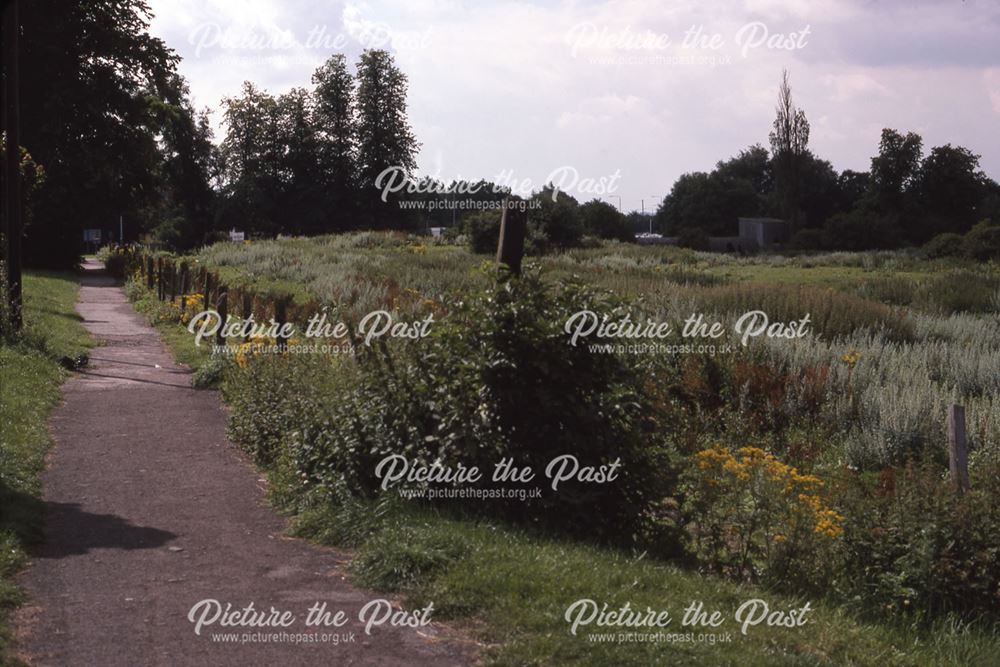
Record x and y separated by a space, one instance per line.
556 222
601 219
336 128
712 202
949 189
184 215
253 160
895 165
789 139
91 75
384 137
301 181
852 186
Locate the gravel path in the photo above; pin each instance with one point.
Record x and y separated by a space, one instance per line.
149 510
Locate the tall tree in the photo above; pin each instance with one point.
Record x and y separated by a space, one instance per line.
90 74
789 140
384 136
252 156
335 123
301 180
949 189
185 213
896 164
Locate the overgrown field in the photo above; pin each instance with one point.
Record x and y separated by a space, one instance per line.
31 368
814 466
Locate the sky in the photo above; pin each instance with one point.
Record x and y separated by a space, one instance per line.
615 100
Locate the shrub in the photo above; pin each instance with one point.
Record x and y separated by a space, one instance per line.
693 238
498 379
948 244
982 242
483 231
911 544
119 260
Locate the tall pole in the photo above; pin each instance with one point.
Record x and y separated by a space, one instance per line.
12 182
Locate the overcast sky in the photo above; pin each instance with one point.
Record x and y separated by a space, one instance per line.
515 91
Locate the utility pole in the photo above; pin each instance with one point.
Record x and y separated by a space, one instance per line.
12 166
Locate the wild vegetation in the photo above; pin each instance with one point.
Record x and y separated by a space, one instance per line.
849 420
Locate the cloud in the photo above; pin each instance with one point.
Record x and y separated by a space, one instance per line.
650 89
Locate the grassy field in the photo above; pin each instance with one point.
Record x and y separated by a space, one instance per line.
32 369
899 337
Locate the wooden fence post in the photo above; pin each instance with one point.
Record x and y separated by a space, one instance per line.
513 227
159 279
958 456
222 308
149 272
182 288
172 269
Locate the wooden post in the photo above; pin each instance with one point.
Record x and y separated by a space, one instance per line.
958 456
173 280
149 272
183 287
222 308
159 279
513 227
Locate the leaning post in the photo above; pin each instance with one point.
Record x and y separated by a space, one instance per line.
513 228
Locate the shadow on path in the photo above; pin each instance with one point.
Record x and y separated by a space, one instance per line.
74 531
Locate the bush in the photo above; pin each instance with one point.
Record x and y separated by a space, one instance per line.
483 231
944 245
692 238
982 242
911 544
119 260
497 380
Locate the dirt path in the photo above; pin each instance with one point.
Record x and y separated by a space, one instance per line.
150 510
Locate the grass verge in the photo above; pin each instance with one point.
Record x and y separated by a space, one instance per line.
510 590
32 368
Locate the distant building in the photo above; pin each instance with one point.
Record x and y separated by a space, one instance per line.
754 234
763 233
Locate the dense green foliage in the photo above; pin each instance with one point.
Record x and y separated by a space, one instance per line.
108 118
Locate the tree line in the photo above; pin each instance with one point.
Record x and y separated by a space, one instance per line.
111 141
905 198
